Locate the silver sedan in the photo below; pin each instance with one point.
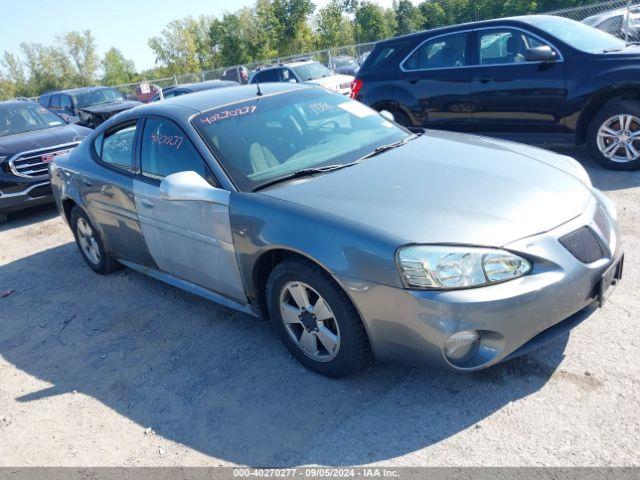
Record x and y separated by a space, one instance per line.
357 238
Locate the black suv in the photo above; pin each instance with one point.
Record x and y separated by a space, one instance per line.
87 106
533 78
30 137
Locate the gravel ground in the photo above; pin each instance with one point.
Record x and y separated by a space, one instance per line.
123 370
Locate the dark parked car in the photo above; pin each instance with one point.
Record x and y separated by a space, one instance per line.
30 137
532 78
345 65
238 74
87 106
185 88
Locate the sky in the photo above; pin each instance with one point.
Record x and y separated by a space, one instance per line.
124 24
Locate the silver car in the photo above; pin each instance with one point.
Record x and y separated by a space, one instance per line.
357 238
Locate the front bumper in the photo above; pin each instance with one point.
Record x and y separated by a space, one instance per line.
512 318
19 193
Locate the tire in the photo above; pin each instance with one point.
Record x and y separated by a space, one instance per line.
402 118
100 262
608 142
341 324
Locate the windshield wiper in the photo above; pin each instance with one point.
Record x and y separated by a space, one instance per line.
305 172
390 146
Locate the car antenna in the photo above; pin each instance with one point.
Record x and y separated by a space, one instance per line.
259 92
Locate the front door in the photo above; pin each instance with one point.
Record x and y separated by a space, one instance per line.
190 240
513 97
437 75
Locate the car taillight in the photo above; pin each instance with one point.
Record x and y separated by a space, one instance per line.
356 85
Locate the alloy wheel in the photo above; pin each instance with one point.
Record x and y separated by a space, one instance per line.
619 138
309 321
87 241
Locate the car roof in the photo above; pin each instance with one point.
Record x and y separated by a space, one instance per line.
16 102
459 26
197 86
197 102
77 90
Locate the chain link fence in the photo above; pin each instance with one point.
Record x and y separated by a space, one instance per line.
619 17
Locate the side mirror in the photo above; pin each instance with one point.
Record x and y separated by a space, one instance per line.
386 114
189 186
540 54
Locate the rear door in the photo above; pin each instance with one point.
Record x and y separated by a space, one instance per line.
513 97
190 240
437 74
108 192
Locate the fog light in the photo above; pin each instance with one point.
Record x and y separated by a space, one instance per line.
462 346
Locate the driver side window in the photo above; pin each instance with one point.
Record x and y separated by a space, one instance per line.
506 46
167 150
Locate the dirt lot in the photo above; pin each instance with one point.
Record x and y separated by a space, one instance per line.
124 370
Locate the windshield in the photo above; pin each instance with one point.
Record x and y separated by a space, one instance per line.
578 35
96 96
26 117
266 138
312 71
345 62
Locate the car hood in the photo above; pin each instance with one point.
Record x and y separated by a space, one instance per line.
111 106
334 82
449 188
48 137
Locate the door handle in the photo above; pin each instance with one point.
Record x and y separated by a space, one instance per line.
413 81
483 79
87 183
146 203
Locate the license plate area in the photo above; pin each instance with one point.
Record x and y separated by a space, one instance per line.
610 279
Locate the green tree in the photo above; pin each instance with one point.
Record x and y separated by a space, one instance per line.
116 68
371 23
408 17
294 33
80 50
433 14
333 28
184 45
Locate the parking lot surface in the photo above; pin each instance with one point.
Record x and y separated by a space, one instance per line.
123 370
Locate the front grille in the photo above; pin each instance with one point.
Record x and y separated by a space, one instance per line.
41 191
36 162
603 224
583 244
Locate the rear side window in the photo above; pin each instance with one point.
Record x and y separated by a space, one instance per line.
65 102
449 51
115 147
167 150
272 75
55 102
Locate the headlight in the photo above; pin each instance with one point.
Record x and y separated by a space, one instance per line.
449 267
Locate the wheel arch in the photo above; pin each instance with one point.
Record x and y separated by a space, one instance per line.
598 102
269 259
264 265
67 205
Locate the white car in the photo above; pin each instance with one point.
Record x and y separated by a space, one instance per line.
305 72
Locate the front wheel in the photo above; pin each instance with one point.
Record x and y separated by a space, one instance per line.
613 136
315 319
